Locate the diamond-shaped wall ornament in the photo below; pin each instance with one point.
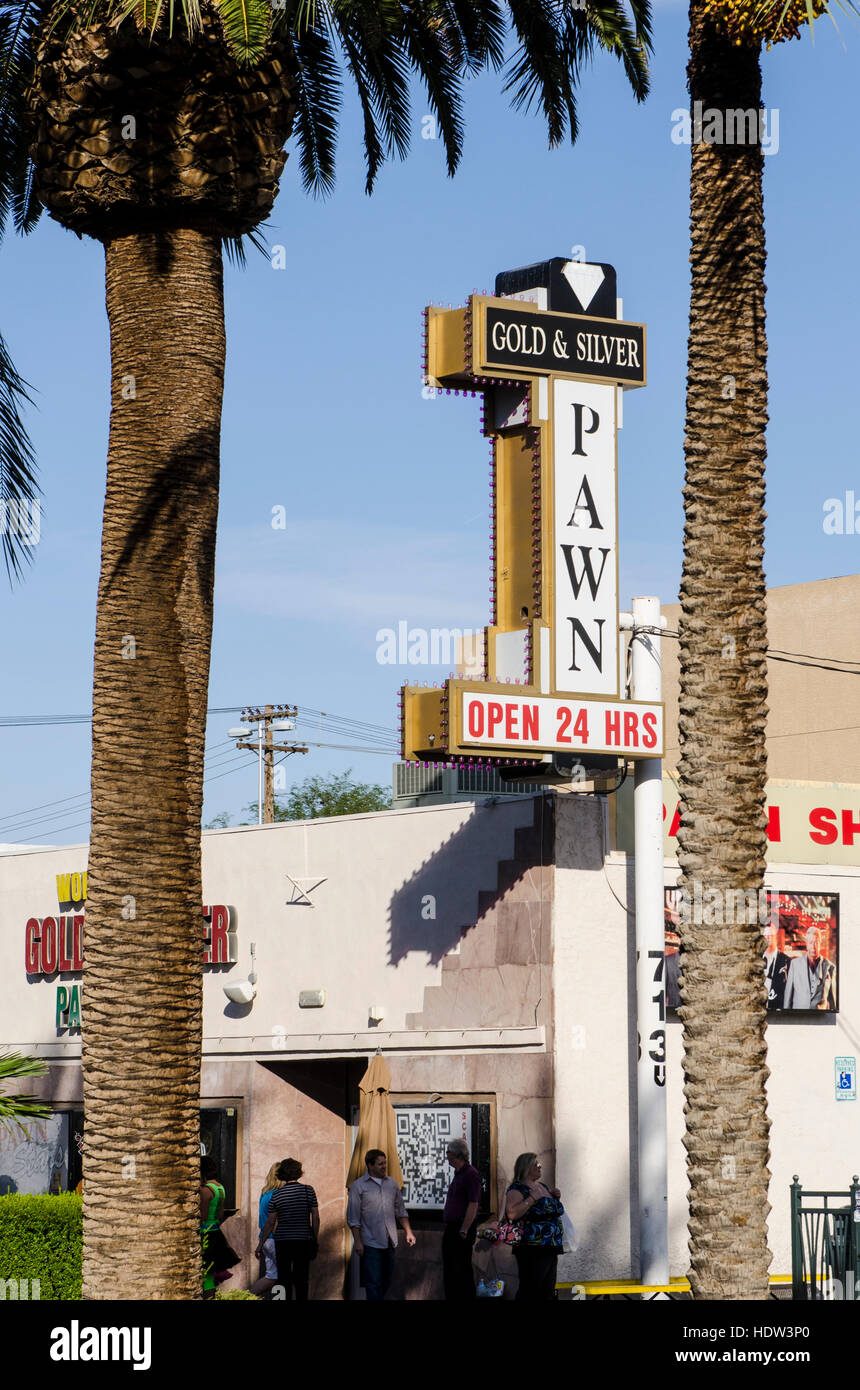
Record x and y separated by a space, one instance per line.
301 890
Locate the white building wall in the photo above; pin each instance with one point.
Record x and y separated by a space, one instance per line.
812 1134
371 935
594 991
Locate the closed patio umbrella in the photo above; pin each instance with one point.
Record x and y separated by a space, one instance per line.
377 1128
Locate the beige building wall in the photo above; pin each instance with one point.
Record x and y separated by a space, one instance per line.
594 1059
813 729
807 822
594 984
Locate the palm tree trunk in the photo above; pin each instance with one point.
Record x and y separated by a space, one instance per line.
722 841
143 944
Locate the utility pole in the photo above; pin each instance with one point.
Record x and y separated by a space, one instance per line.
269 719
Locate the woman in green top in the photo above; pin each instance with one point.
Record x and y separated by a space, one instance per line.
211 1213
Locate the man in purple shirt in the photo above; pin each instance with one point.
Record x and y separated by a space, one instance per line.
461 1223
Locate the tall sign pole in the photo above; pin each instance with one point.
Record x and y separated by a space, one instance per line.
550 356
650 957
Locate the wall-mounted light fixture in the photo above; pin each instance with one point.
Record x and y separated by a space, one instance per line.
244 991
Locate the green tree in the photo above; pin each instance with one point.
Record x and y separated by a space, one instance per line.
333 795
160 131
722 844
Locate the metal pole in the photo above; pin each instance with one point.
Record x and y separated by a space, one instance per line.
260 772
650 948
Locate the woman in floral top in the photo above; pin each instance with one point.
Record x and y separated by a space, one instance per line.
538 1210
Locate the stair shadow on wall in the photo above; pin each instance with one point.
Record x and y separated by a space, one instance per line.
466 876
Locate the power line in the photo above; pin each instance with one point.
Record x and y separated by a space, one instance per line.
812 665
844 661
17 814
221 761
83 797
805 659
356 728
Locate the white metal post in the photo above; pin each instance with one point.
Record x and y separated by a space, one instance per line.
650 947
260 773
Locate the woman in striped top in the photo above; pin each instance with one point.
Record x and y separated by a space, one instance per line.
295 1220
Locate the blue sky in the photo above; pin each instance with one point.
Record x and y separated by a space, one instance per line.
385 492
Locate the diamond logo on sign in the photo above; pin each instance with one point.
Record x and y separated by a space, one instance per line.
845 1069
584 279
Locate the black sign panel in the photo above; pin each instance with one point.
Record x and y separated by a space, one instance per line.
598 301
542 343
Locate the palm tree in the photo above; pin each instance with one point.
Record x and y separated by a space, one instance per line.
162 135
723 681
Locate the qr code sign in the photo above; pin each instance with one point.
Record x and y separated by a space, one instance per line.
423 1135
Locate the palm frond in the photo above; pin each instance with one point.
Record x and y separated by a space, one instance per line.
537 73
431 54
374 152
484 29
247 24
26 209
18 29
19 500
612 29
847 6
557 38
438 41
379 49
16 1110
234 247
317 80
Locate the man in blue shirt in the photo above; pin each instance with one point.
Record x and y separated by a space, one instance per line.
374 1210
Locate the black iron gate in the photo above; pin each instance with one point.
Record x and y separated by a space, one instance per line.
825 1243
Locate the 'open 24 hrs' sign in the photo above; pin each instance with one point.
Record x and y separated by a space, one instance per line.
596 726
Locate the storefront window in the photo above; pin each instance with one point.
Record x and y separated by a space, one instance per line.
218 1134
50 1159
35 1160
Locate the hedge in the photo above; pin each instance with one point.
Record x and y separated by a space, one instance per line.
41 1238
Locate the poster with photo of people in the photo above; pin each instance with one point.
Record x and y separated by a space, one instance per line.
801 950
